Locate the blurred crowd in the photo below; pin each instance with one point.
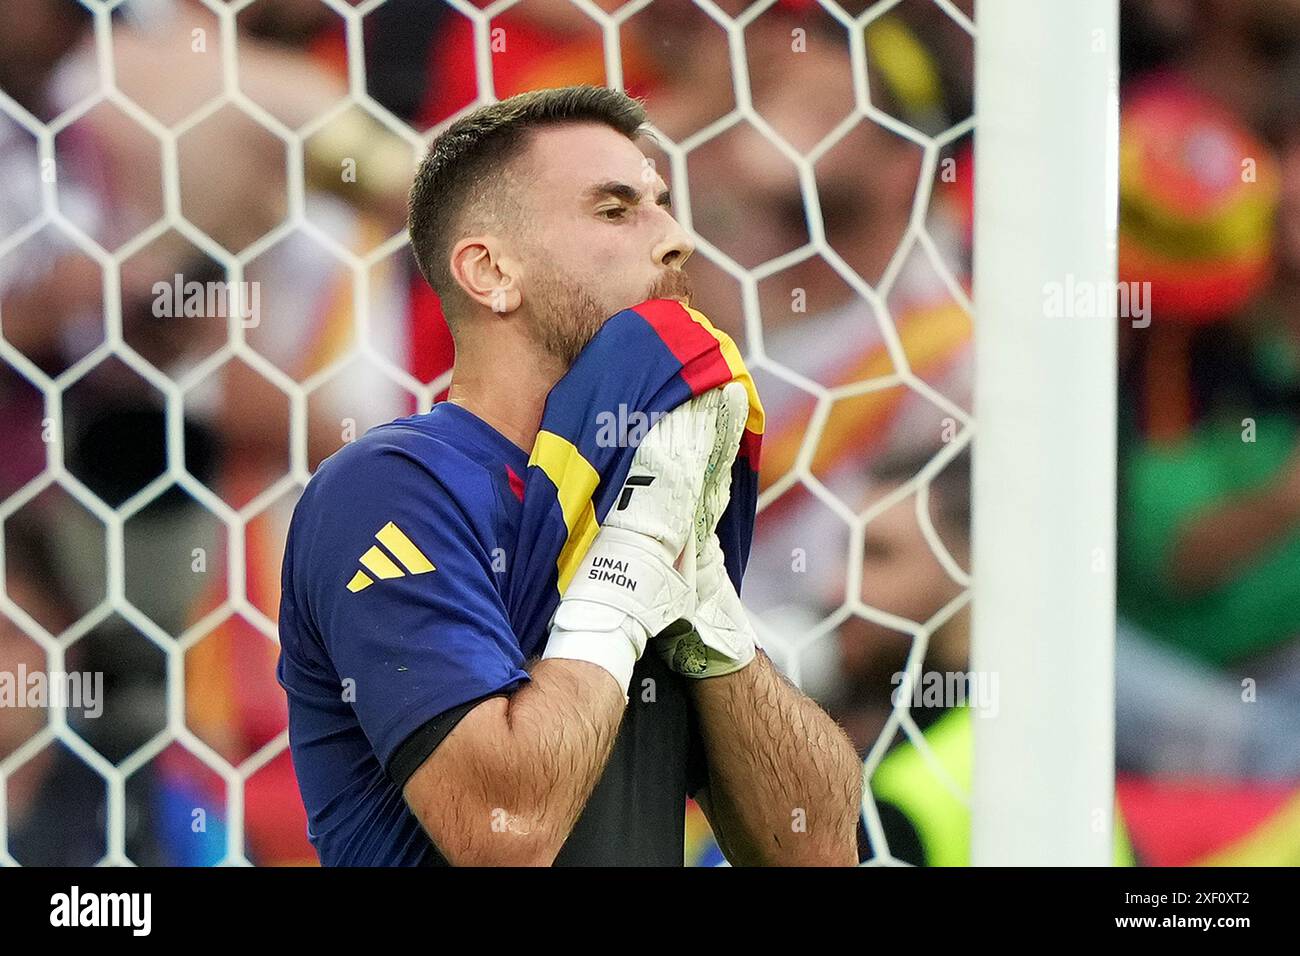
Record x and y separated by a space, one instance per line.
861 319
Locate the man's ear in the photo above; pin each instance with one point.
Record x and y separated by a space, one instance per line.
486 275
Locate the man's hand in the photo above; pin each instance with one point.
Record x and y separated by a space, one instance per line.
638 576
722 640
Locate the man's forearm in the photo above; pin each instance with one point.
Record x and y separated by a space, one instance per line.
785 783
526 766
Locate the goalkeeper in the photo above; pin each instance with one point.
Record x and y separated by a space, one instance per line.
449 703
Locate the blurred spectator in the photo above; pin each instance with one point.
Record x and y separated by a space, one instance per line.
902 576
1210 499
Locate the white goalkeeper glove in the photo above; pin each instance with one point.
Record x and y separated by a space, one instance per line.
723 640
637 578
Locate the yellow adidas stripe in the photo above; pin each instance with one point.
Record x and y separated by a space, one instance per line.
380 564
392 538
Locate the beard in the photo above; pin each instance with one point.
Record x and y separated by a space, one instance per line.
565 316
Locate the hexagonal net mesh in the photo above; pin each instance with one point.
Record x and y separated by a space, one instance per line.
206 288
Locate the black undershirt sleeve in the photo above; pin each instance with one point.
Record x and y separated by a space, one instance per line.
422 742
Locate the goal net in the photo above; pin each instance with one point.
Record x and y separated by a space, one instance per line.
206 288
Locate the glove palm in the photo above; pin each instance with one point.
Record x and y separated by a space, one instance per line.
637 577
723 640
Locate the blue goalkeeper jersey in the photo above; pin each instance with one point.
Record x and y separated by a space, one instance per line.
393 627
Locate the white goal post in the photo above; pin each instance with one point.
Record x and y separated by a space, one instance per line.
1046 148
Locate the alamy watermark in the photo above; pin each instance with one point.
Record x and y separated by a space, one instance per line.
1083 299
933 689
624 427
204 300
79 690
133 911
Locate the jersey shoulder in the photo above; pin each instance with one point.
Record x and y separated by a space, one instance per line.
410 487
405 448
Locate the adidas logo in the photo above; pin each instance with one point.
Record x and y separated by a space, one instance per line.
378 563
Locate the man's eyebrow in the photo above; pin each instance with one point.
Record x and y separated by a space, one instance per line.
628 194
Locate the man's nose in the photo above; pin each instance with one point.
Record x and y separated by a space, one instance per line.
675 247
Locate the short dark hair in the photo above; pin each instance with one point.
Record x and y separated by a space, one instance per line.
479 147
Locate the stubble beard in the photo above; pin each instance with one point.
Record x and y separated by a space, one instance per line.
564 319
567 316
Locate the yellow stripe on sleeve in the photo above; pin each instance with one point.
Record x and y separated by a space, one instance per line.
380 564
575 481
392 538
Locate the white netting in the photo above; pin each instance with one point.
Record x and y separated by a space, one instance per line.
369 362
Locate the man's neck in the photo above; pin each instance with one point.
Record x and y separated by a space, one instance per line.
505 383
